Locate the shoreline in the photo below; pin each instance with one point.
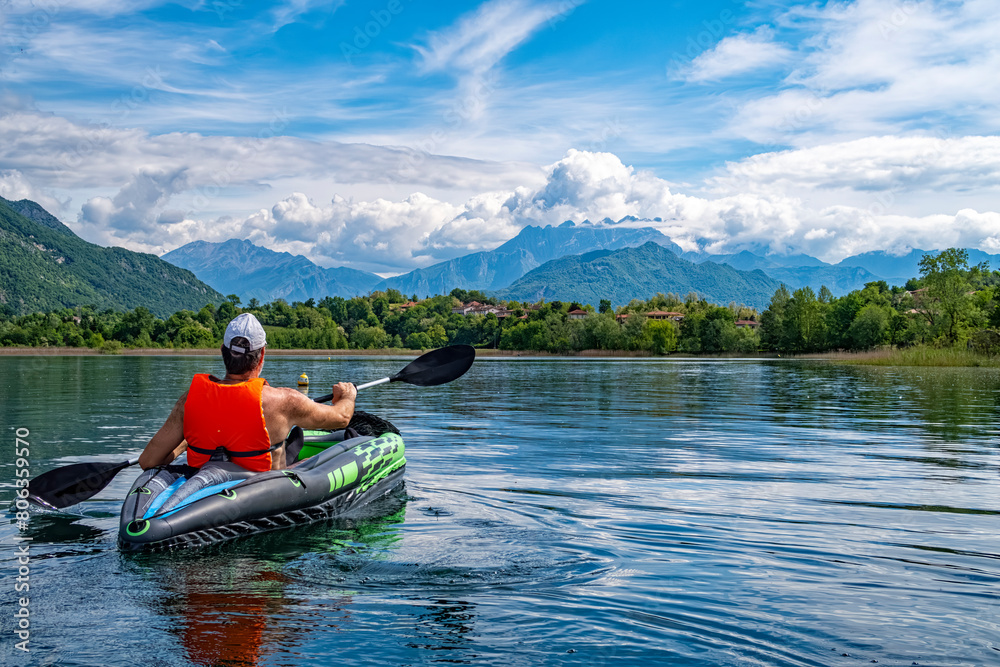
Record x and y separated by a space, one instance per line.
878 357
385 352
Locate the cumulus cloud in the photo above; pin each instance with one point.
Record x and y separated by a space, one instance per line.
738 54
754 207
766 204
135 206
14 186
830 200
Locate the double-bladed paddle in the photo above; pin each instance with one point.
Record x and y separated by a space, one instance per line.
75 483
428 370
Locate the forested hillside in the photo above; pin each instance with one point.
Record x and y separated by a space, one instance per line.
43 267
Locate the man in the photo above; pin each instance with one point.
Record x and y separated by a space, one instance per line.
240 417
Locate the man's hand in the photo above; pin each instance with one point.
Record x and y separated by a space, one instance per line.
343 390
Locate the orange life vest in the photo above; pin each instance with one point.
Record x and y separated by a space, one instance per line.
227 419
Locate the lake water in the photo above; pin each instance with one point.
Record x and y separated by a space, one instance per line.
555 512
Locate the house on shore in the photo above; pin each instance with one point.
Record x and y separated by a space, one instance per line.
654 315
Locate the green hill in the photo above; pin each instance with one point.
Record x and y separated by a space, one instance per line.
639 273
44 266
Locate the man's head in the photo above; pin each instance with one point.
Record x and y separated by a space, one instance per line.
243 344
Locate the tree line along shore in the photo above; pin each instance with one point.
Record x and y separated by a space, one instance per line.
950 314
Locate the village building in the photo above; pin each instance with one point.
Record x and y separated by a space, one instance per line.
654 315
476 308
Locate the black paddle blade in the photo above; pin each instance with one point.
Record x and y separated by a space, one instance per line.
437 366
72 484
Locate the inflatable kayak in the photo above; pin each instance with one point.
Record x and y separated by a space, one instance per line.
179 506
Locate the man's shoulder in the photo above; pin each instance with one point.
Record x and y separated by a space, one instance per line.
282 395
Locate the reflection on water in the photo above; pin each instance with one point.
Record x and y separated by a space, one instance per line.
555 512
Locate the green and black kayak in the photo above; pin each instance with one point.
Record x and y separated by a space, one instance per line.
335 472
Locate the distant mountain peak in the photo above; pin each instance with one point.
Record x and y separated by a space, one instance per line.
34 212
623 274
533 246
239 266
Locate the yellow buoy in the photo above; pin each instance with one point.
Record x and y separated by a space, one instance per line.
303 380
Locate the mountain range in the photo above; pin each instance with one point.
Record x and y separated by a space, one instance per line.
45 266
638 273
499 269
532 247
251 272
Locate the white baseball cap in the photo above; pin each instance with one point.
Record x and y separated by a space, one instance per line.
245 326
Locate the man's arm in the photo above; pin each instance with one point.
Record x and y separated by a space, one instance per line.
168 443
299 410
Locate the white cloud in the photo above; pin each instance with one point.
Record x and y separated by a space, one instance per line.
882 67
878 163
135 206
419 230
738 54
55 153
479 40
40 12
764 204
14 186
291 10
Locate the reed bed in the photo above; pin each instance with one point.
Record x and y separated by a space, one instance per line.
916 356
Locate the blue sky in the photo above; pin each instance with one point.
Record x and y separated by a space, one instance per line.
395 133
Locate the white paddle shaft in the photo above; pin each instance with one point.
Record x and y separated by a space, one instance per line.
372 384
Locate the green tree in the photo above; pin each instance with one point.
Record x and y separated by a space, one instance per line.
366 338
605 307
772 320
380 306
870 328
418 341
947 303
804 326
133 325
662 336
